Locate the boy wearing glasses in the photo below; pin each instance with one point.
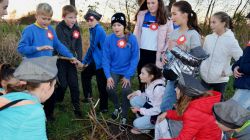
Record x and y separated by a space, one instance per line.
92 61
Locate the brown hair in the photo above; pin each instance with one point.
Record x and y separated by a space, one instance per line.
6 72
161 15
68 9
184 100
18 86
185 7
1 1
224 17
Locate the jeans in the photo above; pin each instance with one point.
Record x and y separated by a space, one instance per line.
144 121
242 96
169 97
114 95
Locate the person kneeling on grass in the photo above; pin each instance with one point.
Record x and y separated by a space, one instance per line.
232 117
21 113
146 104
194 108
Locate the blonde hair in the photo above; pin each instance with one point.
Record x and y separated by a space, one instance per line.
44 9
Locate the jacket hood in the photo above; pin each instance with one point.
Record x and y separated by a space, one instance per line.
205 104
228 33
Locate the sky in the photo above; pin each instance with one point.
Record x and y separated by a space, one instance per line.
22 7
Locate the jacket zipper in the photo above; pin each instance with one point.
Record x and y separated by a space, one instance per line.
212 56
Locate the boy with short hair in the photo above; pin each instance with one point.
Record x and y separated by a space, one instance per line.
232 117
40 39
93 60
68 33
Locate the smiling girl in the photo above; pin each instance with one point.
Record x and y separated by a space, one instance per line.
120 59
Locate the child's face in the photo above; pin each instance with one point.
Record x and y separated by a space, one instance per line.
70 19
91 22
145 76
3 7
178 17
178 93
43 20
152 6
223 127
4 84
118 29
47 90
216 25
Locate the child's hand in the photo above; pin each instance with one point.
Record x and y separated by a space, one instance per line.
237 74
164 59
135 109
110 83
130 96
46 47
161 117
125 82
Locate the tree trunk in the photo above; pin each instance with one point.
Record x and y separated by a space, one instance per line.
73 2
208 10
235 12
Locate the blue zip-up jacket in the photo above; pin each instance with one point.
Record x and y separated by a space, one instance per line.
34 36
122 61
96 39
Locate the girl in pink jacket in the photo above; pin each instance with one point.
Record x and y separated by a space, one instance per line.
151 30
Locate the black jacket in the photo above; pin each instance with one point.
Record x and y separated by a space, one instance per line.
68 36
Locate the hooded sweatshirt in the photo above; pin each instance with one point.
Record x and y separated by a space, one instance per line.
221 50
153 94
198 120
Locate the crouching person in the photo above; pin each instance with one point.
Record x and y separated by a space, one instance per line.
194 109
21 113
232 117
146 104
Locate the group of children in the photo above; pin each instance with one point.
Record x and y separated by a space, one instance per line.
168 62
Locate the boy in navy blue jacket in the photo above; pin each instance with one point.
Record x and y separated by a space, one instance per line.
40 39
69 34
93 61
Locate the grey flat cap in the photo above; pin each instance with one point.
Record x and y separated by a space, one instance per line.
231 114
40 69
191 85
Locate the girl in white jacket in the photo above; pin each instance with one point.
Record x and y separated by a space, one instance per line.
146 104
222 46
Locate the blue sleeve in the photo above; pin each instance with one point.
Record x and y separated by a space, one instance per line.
87 58
25 46
106 58
237 63
63 50
134 58
245 64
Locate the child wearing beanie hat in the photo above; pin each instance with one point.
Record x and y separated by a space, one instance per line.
120 59
194 109
92 61
21 111
231 116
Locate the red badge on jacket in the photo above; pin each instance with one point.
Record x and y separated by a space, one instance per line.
76 34
153 26
50 35
181 40
121 43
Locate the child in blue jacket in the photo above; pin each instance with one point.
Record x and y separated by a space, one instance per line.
120 60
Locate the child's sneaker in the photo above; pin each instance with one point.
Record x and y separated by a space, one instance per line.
115 115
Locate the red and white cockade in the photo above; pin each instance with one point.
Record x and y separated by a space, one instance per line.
153 26
181 40
121 43
50 35
76 34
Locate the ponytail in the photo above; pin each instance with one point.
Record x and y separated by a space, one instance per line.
185 7
193 22
224 17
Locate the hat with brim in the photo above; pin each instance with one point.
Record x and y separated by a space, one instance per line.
37 70
92 14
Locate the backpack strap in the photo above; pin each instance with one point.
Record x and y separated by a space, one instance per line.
158 85
11 104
